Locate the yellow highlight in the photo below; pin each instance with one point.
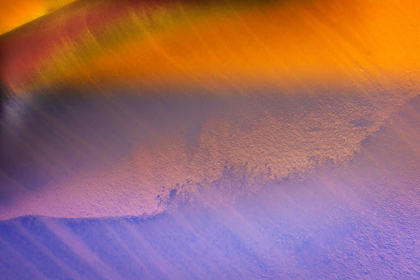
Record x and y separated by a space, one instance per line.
18 12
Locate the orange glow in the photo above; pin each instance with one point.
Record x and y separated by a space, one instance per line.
285 43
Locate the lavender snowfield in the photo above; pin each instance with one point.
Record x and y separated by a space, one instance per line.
358 219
